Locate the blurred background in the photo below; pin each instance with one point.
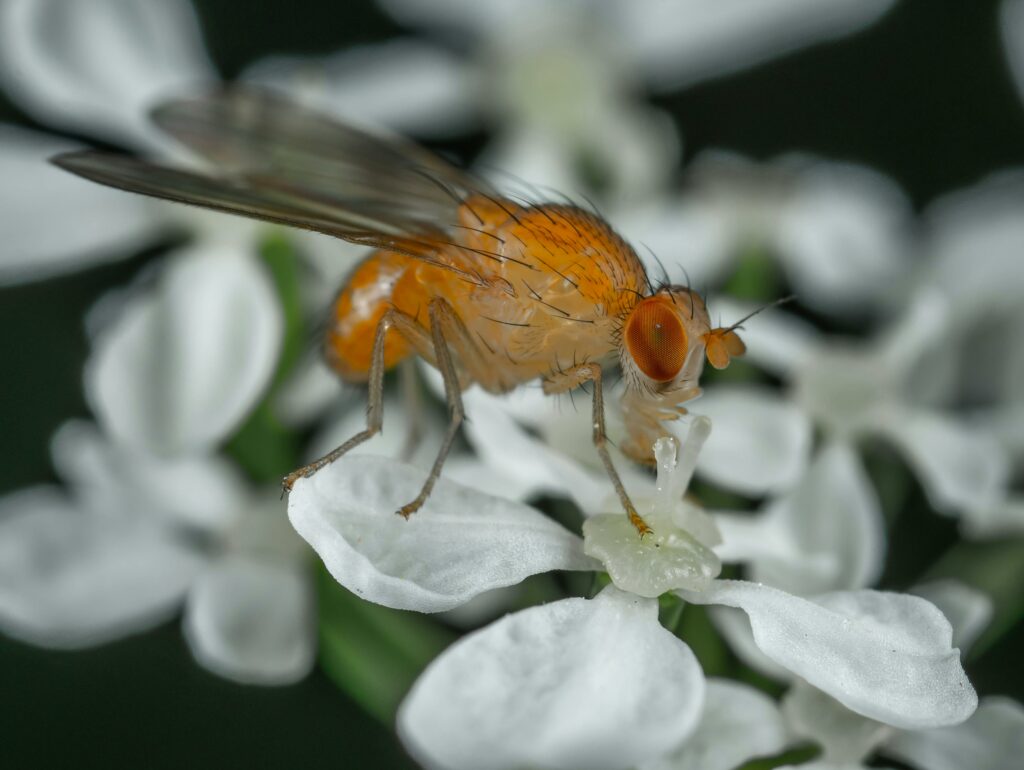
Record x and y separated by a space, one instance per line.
924 95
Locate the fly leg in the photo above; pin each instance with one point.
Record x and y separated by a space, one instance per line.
442 317
572 378
413 407
408 328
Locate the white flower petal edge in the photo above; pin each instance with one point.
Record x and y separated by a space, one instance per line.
184 364
96 224
404 84
760 442
967 609
827 534
992 738
738 724
72 579
252 622
460 544
204 491
98 66
845 737
575 683
886 656
682 42
1011 21
960 468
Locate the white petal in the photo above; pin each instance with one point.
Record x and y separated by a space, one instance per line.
201 491
738 724
1011 21
681 42
759 444
525 154
886 656
975 235
55 222
308 392
828 534
992 739
469 15
461 542
252 622
845 737
959 467
575 683
691 240
70 579
97 67
734 625
843 236
538 467
967 609
1003 517
184 364
404 84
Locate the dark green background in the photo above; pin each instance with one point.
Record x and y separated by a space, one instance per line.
924 96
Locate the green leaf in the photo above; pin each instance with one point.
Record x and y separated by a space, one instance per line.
264 448
757 276
795 756
695 628
371 652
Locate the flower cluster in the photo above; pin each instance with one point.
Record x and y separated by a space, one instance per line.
201 399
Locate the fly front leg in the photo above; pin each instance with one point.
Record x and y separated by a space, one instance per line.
416 334
442 319
572 378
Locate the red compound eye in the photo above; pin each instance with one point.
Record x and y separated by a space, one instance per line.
656 339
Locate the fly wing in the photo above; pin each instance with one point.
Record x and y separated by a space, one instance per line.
271 142
275 161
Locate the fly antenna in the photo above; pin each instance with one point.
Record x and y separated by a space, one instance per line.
748 316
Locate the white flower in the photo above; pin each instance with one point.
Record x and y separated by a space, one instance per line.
882 388
153 519
975 239
887 656
94 68
840 231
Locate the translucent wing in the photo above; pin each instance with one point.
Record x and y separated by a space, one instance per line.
275 161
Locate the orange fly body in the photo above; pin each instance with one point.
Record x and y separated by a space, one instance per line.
492 292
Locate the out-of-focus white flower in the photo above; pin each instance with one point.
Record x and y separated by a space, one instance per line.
560 81
153 519
96 68
54 221
1011 22
840 231
991 737
185 363
886 656
975 240
826 534
854 390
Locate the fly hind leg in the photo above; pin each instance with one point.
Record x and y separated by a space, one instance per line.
572 378
406 326
445 325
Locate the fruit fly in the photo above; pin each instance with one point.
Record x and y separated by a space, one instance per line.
491 291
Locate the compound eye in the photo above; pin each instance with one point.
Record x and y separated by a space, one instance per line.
656 339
